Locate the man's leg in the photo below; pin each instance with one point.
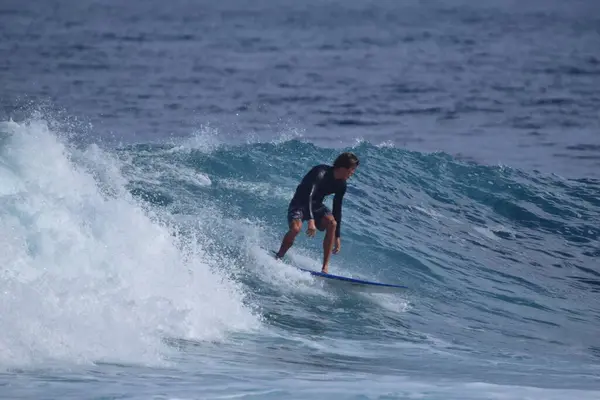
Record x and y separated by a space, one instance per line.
288 239
329 225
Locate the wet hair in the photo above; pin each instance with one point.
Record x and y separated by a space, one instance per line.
346 160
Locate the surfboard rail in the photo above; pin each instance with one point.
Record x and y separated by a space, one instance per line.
352 280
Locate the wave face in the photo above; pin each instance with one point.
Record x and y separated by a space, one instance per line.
159 254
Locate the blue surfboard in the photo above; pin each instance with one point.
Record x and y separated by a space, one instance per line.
353 281
365 284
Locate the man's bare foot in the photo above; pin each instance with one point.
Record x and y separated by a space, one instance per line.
325 270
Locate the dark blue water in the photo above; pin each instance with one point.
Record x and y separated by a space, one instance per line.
148 152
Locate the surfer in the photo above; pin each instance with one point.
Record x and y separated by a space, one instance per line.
307 205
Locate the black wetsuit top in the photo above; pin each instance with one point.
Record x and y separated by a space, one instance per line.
316 184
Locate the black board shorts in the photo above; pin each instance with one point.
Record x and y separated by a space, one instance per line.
301 213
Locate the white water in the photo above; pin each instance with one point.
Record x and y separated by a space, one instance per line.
86 274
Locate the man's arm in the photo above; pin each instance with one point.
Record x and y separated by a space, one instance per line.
337 209
315 182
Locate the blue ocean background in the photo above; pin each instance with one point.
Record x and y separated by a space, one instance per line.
148 152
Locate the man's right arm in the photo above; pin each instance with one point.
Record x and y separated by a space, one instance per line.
316 178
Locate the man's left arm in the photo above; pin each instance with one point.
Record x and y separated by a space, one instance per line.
337 214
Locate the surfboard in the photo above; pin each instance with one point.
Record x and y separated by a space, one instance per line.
363 283
354 281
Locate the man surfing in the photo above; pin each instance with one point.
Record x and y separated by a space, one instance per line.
307 205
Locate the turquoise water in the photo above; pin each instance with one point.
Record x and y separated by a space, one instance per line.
144 271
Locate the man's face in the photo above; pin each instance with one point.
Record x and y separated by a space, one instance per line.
348 172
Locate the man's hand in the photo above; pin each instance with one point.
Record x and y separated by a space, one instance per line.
312 229
337 246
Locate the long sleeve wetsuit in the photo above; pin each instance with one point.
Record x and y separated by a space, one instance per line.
316 184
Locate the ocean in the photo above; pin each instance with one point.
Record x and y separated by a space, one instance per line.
149 150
